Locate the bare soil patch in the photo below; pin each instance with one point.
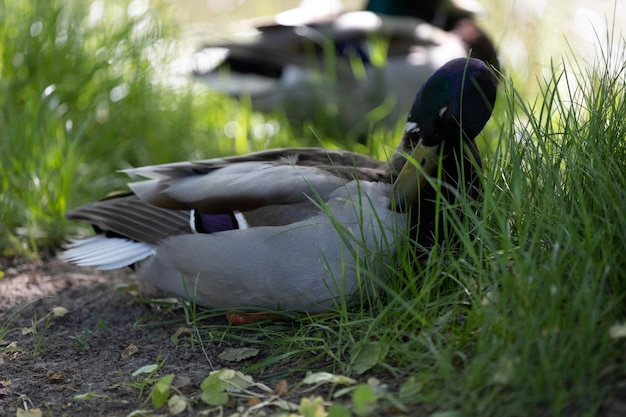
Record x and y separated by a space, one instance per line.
86 351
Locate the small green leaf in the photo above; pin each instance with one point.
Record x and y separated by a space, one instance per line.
312 408
366 355
338 410
218 383
59 311
147 369
102 323
214 397
161 390
410 389
177 404
363 398
327 377
214 390
237 354
236 381
88 396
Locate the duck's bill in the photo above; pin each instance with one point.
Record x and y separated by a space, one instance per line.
414 174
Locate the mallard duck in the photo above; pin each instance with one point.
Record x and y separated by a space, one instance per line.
286 228
323 68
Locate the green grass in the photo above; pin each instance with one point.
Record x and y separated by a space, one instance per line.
80 99
513 322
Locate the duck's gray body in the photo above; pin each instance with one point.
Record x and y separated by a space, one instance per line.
304 266
319 224
298 229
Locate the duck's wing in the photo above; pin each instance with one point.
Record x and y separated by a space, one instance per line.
274 187
249 182
126 215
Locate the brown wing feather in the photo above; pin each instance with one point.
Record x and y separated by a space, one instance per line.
128 216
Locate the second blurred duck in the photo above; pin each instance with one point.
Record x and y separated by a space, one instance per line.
325 68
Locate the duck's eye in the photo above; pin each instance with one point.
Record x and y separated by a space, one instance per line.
442 111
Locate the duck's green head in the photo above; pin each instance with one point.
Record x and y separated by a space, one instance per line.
451 108
455 102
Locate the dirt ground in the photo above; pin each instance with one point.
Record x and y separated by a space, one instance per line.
95 347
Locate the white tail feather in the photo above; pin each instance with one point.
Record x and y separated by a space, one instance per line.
106 253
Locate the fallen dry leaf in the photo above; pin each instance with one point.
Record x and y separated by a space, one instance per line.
282 387
182 330
129 351
252 401
31 412
4 387
54 375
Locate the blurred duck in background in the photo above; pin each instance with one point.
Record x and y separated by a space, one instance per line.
346 72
